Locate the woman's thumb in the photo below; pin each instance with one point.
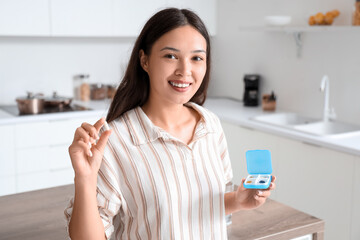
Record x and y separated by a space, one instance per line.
100 145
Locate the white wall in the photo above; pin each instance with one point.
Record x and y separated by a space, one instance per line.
49 64
296 81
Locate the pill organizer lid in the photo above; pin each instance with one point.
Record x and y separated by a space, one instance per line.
258 162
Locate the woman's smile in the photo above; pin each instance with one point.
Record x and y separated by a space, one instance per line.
180 86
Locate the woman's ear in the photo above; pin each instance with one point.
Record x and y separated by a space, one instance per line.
143 60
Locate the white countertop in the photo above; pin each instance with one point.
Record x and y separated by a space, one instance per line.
227 109
234 112
98 108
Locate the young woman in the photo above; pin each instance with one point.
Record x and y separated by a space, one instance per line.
161 171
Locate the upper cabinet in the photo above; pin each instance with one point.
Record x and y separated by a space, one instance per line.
90 18
81 17
24 18
130 16
205 9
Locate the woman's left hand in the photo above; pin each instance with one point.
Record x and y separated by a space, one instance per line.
252 198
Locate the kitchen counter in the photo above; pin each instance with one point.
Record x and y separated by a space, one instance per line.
39 215
234 112
227 109
96 108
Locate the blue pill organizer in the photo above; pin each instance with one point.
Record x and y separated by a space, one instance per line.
259 168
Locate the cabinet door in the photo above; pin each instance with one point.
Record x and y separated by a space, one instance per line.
33 181
24 18
33 159
355 230
59 157
205 9
318 181
7 150
129 17
312 179
81 17
7 185
32 134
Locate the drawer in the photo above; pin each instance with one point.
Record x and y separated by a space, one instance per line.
62 131
32 159
7 150
33 181
32 134
44 179
7 185
59 157
61 177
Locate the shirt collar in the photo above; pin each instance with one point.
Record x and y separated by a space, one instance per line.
143 130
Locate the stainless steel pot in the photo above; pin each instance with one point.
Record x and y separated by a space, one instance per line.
31 104
57 101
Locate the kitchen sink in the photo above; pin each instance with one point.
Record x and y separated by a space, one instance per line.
307 124
327 128
286 119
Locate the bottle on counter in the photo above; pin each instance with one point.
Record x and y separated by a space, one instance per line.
82 87
356 14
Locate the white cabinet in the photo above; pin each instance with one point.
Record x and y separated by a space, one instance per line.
313 179
355 229
93 18
205 9
129 17
7 150
81 17
7 185
24 18
34 155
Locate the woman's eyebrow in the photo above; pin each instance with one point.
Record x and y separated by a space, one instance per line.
170 48
177 50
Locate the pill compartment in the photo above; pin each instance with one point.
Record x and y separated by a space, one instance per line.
262 180
259 168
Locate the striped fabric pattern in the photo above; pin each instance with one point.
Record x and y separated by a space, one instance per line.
151 185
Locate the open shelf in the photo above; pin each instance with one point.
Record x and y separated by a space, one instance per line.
297 31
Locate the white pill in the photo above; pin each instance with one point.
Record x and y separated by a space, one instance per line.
106 126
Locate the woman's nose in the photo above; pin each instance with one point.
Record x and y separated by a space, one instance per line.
184 68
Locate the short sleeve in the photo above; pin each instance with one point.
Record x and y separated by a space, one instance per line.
108 194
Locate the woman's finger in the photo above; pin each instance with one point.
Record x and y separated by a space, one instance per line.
273 178
90 129
99 124
82 134
100 146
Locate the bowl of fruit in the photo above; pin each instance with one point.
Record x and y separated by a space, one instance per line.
320 18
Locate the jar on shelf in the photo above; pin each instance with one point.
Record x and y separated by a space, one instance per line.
82 87
356 14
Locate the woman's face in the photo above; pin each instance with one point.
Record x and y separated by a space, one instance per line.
176 65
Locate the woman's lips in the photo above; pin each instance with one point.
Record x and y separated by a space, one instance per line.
180 86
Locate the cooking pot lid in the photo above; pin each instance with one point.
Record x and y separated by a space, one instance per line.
31 95
57 98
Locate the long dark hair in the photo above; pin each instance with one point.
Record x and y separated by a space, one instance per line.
135 86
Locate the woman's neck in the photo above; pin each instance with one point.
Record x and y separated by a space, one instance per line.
166 115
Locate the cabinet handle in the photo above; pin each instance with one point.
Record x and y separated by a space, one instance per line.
248 128
312 144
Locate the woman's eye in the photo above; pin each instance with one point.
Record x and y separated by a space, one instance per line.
197 58
171 56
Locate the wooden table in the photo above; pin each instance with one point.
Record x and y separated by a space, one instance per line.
39 215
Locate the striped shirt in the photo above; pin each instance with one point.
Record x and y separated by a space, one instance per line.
152 185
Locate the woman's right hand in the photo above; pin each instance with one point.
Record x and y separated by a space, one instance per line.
86 155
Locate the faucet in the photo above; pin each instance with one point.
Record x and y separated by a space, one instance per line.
329 113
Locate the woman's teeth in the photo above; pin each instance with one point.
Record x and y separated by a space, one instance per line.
180 85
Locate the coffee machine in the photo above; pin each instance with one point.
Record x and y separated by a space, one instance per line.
251 91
